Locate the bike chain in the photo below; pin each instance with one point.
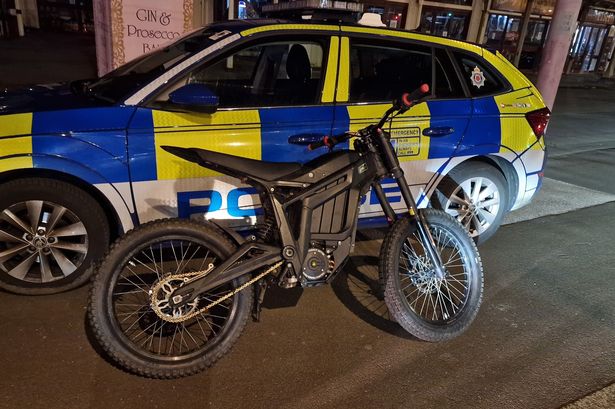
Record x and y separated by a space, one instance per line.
199 274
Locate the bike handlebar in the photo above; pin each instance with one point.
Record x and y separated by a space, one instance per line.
404 103
409 99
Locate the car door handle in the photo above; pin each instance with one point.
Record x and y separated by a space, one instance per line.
305 138
438 131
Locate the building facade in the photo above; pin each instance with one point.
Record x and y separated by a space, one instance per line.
498 24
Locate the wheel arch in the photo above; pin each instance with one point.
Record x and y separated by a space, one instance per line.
116 227
502 165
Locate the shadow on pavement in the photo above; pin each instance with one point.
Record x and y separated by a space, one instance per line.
358 289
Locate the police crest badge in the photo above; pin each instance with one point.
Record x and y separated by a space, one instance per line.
478 78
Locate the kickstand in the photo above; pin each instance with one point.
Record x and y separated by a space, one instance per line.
258 303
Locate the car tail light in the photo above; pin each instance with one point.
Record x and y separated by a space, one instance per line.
539 120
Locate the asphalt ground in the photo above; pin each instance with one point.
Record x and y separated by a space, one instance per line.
543 337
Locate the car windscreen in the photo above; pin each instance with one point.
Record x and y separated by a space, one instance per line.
130 77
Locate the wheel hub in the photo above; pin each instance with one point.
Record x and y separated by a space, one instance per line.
168 306
422 276
40 242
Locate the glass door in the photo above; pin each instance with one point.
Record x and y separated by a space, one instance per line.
450 23
586 48
503 34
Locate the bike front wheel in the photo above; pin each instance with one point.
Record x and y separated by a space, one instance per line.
431 308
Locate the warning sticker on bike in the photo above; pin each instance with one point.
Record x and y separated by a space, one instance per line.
406 141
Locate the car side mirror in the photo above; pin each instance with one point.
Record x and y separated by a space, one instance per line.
194 97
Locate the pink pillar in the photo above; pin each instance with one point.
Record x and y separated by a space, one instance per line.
102 34
556 49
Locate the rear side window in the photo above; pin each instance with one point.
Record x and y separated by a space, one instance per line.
480 78
381 73
447 83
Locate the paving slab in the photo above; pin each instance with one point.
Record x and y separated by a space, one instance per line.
556 197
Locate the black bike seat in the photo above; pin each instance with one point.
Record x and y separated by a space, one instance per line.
235 165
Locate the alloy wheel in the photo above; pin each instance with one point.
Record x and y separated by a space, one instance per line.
41 241
475 203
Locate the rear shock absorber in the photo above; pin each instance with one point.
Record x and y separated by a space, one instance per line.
265 232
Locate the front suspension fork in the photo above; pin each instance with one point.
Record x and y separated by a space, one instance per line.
422 227
392 163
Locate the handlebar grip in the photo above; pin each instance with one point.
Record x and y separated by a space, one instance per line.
408 99
325 141
316 145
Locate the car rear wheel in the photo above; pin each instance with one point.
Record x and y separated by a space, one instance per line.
476 195
50 233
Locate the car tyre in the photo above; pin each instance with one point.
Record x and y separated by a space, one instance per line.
51 232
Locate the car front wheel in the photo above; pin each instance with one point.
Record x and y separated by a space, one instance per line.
50 233
476 195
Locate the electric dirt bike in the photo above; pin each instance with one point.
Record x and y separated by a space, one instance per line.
172 296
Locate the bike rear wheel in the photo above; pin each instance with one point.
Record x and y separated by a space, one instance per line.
137 328
431 308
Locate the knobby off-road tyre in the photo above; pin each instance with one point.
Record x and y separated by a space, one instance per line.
431 309
120 313
51 233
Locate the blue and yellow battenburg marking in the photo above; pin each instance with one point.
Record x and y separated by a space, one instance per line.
15 141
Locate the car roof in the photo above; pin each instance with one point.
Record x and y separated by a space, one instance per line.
251 26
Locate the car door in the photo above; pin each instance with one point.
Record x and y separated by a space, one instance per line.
484 135
372 74
268 90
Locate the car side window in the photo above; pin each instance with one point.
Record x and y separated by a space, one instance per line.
382 73
272 74
447 83
480 78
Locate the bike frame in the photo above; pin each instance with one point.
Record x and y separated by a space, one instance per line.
376 159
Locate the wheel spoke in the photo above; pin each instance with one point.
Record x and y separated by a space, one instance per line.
77 247
488 191
466 189
8 237
9 253
56 214
488 203
487 216
65 264
46 275
15 221
21 270
75 229
478 184
458 200
35 207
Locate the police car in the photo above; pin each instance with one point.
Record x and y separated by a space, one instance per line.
82 163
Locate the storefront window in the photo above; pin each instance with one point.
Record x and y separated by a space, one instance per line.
445 22
459 2
586 48
503 34
392 14
532 47
541 7
536 32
